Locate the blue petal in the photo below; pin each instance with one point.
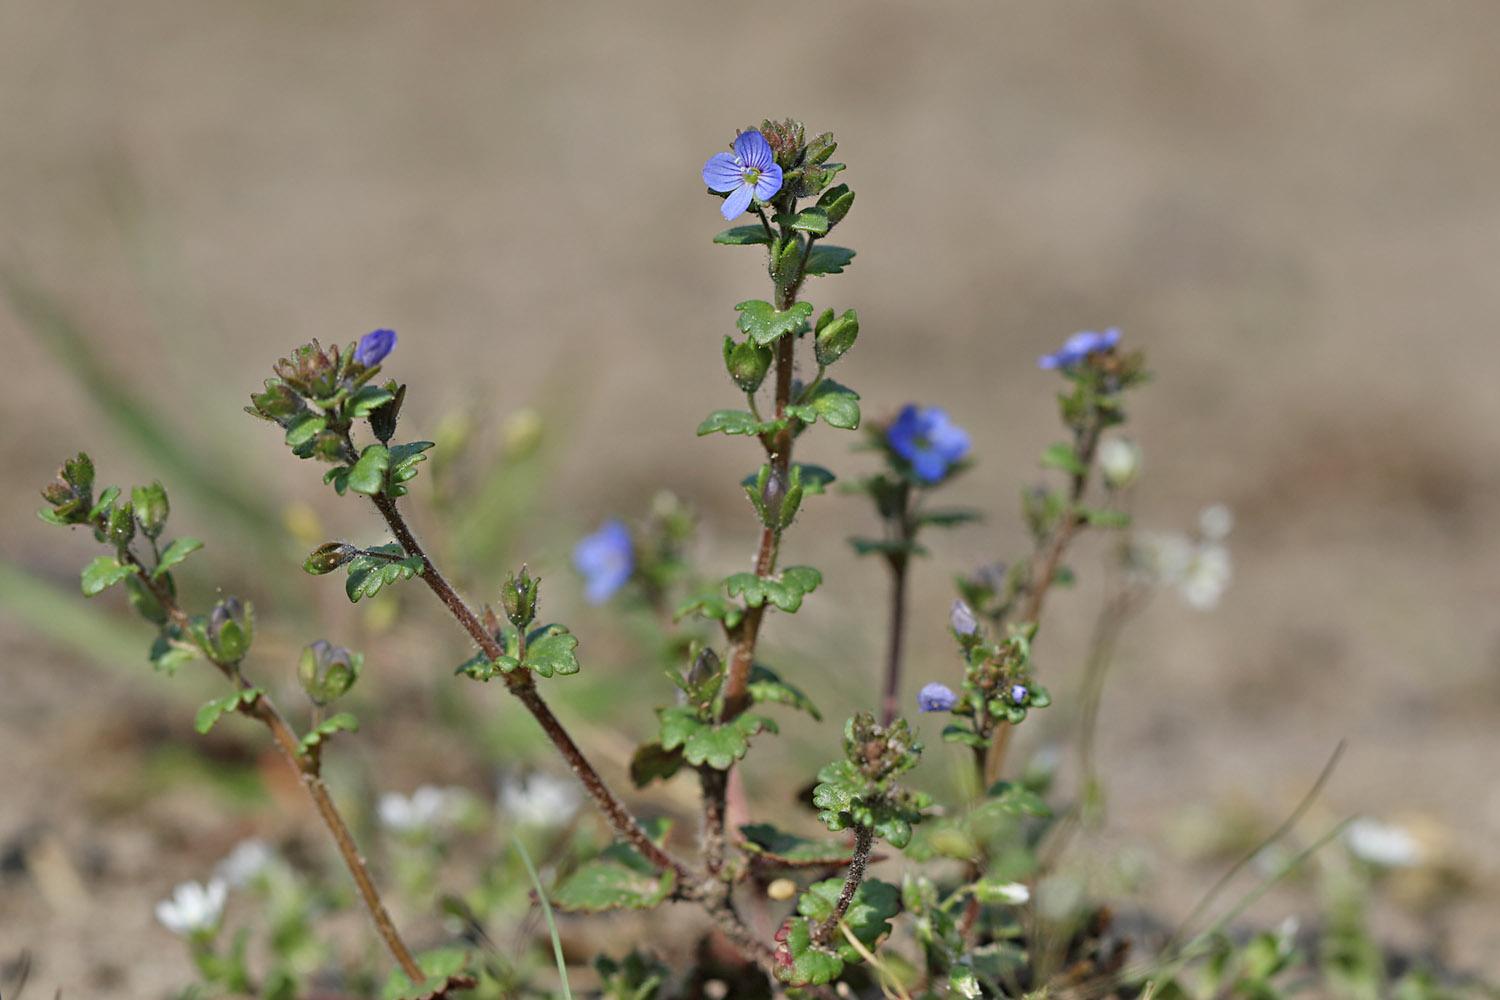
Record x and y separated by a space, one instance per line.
1109 338
723 173
374 346
753 150
929 465
769 183
737 202
950 441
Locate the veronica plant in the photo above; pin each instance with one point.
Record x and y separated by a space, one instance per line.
798 909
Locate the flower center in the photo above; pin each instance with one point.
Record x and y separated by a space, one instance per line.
752 176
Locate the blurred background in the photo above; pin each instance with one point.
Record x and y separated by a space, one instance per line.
1292 208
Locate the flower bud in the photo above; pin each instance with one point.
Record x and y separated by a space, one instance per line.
1019 693
1120 462
150 503
327 671
961 619
747 364
328 557
936 698
835 336
383 417
705 667
121 524
373 347
230 629
518 597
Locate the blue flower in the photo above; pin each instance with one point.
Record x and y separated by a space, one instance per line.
373 347
1019 693
961 619
936 698
928 440
1078 347
749 171
606 559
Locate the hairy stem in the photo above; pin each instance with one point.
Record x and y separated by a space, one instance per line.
863 836
899 529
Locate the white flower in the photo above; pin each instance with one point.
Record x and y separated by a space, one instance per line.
1009 893
1215 522
193 908
1382 844
1206 576
245 863
1160 559
428 808
538 800
1120 461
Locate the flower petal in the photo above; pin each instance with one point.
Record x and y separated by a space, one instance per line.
929 465
723 173
769 183
737 202
753 150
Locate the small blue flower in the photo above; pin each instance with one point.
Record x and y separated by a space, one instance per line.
1078 347
936 698
373 347
749 171
1019 693
606 559
928 440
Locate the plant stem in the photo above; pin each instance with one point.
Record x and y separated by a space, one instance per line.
523 686
307 768
899 562
863 836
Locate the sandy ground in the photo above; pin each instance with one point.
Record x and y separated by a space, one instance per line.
1292 207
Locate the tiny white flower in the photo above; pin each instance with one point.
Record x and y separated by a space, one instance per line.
538 800
1120 462
428 808
1008 893
1160 559
964 983
245 862
1205 577
1382 844
194 908
1215 522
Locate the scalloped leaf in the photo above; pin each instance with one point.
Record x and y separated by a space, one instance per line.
370 571
828 259
809 966
104 572
403 466
549 650
368 475
714 744
169 651
730 422
712 605
761 322
1061 456
810 220
652 762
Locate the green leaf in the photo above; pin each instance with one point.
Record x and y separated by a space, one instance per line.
964 735
169 652
712 605
868 917
743 235
948 518
605 885
778 845
810 966
368 475
763 324
865 546
1018 800
1104 518
549 650
1061 456
372 569
104 572
717 745
828 259
304 427
341 722
106 500
365 400
837 404
785 590
651 762
730 422
179 550
809 220
837 201
813 479
403 465
764 685
210 712
441 966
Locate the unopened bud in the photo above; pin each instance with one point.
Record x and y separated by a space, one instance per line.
327 671
961 619
151 508
1120 462
518 598
121 524
328 557
747 364
835 336
230 629
705 666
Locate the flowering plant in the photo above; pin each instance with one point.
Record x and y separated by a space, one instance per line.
788 906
